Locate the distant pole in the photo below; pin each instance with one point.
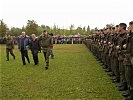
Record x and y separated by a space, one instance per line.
72 40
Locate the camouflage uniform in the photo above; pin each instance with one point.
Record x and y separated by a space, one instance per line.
115 63
121 40
46 42
9 47
129 65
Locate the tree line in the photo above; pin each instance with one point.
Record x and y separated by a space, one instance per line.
33 28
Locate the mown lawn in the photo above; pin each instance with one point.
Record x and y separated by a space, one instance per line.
74 74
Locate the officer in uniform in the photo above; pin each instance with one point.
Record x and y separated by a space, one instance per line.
9 46
120 49
128 62
46 43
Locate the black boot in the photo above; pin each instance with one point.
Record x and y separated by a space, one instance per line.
126 94
108 70
46 67
124 87
120 85
117 80
13 57
130 97
111 74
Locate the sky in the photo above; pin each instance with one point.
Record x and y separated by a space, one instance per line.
95 13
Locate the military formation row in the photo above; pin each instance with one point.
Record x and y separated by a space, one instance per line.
113 48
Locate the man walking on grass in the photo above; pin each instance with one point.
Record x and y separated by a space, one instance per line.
23 43
46 43
34 46
9 46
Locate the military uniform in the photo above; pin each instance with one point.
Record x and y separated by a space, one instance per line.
9 47
121 40
129 65
115 63
46 42
51 46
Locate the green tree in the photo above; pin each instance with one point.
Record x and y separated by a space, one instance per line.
72 29
79 30
88 29
23 28
47 28
84 30
15 31
54 29
3 28
40 30
31 27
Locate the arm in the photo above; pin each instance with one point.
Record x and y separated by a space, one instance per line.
19 43
131 46
12 44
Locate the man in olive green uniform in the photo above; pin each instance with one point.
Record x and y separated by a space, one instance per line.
46 42
128 62
120 49
115 62
9 46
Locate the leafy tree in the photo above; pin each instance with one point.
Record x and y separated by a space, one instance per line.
47 28
79 30
84 30
3 28
88 29
23 28
31 27
40 30
72 29
15 31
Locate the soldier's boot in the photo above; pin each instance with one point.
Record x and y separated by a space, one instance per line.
7 59
7 56
130 97
52 57
116 80
46 67
14 57
124 87
105 66
126 94
113 78
111 74
120 85
108 70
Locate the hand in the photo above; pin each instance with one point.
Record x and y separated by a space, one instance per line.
5 36
118 47
124 46
109 43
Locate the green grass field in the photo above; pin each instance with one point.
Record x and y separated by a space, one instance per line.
74 74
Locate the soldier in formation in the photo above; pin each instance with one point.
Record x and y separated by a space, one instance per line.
113 48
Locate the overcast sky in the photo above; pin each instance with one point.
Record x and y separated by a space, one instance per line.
95 13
